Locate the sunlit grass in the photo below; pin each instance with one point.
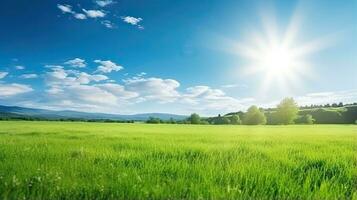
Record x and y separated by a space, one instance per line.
53 160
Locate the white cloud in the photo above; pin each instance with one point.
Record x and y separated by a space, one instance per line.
118 90
28 76
107 97
108 24
84 78
80 16
71 89
229 86
94 13
107 66
61 77
3 74
19 67
103 3
133 21
9 90
65 8
84 94
210 100
163 90
77 62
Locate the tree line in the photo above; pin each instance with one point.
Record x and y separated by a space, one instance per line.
286 112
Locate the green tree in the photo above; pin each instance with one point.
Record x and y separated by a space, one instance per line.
287 111
254 116
194 118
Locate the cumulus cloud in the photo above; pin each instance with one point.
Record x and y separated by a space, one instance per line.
3 74
210 100
118 90
84 78
75 90
9 90
103 3
59 77
163 90
65 8
107 66
72 87
132 20
29 76
77 62
19 67
83 94
94 13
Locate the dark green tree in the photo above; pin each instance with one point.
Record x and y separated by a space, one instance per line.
194 118
235 119
153 120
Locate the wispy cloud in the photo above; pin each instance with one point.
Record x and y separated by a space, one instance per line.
20 67
9 90
228 86
108 24
29 76
3 74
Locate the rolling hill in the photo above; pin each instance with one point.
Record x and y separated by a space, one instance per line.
68 114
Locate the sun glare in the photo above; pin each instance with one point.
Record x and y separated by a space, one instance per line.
277 61
280 59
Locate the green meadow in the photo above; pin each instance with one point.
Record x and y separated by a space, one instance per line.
64 160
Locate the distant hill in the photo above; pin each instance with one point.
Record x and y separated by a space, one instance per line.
11 111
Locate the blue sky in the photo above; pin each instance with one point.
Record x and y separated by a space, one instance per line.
132 56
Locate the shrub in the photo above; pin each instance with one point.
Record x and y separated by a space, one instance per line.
305 119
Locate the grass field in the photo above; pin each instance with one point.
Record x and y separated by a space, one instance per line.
58 160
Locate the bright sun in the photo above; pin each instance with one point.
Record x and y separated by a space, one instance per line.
277 61
280 59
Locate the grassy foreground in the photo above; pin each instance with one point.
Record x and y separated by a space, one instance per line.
58 160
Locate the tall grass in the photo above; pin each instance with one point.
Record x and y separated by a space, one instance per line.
58 160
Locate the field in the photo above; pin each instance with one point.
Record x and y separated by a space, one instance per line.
62 160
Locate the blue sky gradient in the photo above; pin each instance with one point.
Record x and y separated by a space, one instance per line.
166 56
